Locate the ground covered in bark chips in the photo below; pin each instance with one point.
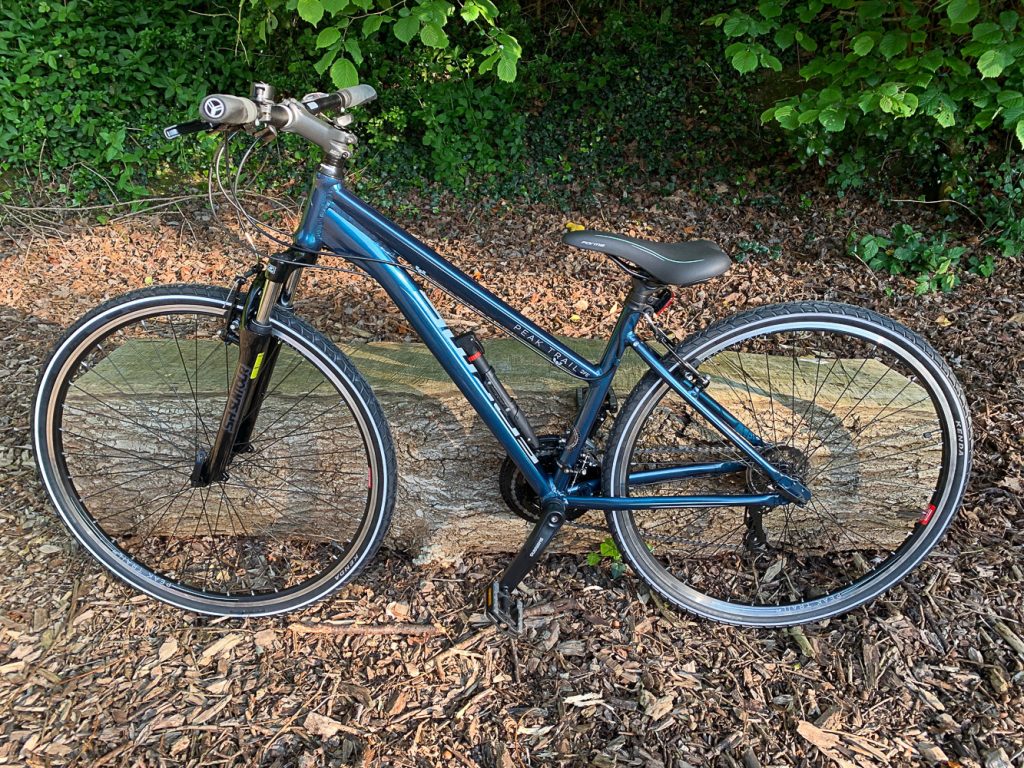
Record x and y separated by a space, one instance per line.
396 670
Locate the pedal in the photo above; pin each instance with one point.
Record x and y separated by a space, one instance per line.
503 610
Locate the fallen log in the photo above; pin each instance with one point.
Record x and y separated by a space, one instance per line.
448 501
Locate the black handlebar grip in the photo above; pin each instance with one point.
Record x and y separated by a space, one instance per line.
230 110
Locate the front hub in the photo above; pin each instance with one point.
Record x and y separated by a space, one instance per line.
200 470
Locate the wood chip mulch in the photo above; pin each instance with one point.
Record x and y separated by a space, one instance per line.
397 670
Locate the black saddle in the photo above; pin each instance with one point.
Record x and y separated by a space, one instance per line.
670 263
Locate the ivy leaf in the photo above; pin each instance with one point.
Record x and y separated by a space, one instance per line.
863 43
963 11
343 74
433 36
327 37
993 62
311 11
406 28
608 549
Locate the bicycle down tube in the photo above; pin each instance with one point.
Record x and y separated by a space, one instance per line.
339 220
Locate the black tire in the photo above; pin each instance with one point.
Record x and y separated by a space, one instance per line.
249 558
729 577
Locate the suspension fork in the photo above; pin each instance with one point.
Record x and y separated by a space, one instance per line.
257 353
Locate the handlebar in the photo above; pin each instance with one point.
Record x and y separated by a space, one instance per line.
228 110
288 115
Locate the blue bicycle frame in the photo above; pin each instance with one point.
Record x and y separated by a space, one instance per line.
339 221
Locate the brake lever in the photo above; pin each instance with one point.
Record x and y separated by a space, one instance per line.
192 126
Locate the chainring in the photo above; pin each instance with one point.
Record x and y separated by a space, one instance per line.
516 492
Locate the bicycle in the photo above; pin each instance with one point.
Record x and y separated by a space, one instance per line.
213 450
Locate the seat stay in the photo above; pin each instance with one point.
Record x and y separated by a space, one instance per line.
729 426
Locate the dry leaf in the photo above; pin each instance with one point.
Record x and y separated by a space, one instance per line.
167 649
321 725
222 646
824 741
265 638
660 707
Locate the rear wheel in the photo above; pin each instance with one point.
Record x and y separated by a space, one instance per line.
131 397
859 408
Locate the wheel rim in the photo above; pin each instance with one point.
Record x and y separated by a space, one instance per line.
290 517
708 561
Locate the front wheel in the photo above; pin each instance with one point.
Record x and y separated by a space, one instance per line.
860 409
132 397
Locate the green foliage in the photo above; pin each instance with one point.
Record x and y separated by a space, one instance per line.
608 551
936 89
89 85
954 65
930 259
344 26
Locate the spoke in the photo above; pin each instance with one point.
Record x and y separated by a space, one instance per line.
771 397
195 397
831 410
810 452
300 428
150 430
833 467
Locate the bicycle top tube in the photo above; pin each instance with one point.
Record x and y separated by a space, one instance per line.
331 195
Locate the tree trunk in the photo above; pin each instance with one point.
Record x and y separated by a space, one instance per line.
448 501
